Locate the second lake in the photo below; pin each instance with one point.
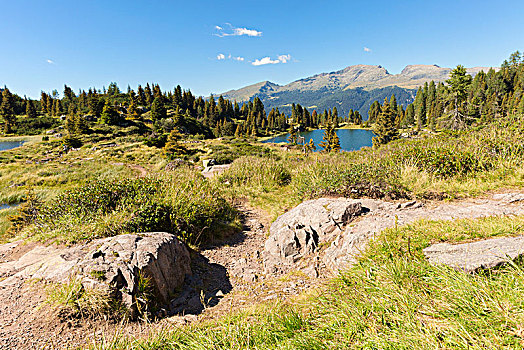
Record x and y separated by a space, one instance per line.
350 139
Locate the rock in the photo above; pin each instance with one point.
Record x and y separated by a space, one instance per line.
114 264
211 171
299 232
471 257
123 260
379 215
171 166
509 197
208 163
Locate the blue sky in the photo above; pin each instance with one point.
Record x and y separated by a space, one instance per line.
46 44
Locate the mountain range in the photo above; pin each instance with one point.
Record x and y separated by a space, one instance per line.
354 87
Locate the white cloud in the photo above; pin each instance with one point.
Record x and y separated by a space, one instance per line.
221 57
367 49
50 61
248 32
284 58
234 31
268 60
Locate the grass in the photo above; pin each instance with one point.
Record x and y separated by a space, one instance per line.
392 299
447 165
180 202
27 139
74 300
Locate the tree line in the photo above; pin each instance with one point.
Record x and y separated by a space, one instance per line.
460 102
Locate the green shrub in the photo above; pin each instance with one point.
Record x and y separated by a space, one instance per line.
182 203
223 154
445 162
264 173
343 176
35 126
71 141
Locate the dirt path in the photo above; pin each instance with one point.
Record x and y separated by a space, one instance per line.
228 276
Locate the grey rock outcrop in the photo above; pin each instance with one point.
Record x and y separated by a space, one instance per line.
300 231
118 262
113 264
471 257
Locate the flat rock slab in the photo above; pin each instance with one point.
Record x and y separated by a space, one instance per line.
472 257
211 171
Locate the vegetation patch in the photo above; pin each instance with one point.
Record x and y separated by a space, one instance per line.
392 299
73 300
182 203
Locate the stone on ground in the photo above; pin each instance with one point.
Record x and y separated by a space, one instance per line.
300 231
114 264
472 257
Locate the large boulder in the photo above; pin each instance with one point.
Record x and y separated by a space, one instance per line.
471 257
121 261
300 231
115 264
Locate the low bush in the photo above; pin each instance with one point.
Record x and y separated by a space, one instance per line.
259 173
446 162
35 126
225 154
182 203
340 176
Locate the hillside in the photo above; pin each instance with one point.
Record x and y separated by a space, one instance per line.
354 87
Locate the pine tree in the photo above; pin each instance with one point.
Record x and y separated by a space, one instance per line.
409 118
69 124
385 127
459 82
173 148
43 103
109 114
158 110
420 109
132 110
7 110
30 110
310 146
81 126
293 135
330 141
335 142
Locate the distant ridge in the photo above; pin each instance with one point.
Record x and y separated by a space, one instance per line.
354 87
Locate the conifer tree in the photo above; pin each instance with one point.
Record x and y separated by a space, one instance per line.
459 82
330 141
30 110
81 126
409 118
109 114
385 128
158 110
310 146
420 108
173 148
293 135
7 111
43 103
